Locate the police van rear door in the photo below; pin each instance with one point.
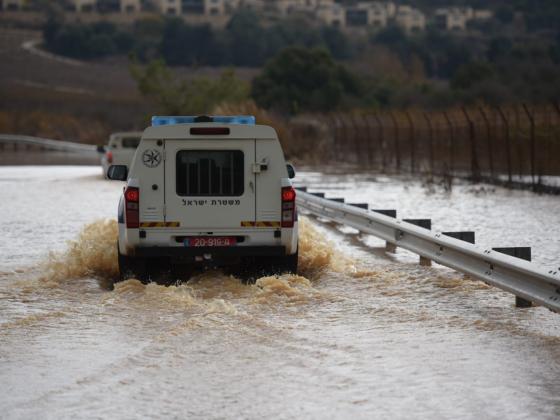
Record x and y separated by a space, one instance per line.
210 184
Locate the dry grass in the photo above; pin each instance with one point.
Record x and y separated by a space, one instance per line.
54 126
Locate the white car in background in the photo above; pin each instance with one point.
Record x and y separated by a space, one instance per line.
120 149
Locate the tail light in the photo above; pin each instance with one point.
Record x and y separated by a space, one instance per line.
288 207
132 201
109 157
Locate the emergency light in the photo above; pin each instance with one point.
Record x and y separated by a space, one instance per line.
222 119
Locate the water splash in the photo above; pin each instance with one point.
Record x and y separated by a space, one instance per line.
93 253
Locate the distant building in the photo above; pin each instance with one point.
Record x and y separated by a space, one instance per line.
200 7
357 15
287 7
457 18
168 7
130 6
353 15
13 4
410 19
83 6
332 15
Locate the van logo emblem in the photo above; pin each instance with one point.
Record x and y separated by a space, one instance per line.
151 158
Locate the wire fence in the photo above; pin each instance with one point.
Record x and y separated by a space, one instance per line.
515 145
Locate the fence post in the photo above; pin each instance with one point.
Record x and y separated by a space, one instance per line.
475 168
355 138
554 169
381 141
369 139
532 144
489 141
508 144
431 144
333 122
345 138
397 148
451 142
412 141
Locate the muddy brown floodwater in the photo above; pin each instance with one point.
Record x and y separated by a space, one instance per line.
355 334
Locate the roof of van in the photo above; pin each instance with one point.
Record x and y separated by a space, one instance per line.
237 131
126 134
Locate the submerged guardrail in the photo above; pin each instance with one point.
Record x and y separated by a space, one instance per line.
509 269
47 144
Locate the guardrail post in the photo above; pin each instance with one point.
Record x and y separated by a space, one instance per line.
467 236
525 254
426 224
390 213
390 247
364 206
423 223
318 194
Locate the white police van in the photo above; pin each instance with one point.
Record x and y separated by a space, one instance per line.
207 192
120 149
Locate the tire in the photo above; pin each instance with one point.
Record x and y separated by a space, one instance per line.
291 263
130 267
286 265
254 268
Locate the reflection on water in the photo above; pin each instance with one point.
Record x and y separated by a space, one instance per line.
354 334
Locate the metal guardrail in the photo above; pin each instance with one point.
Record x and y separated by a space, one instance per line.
527 281
48 144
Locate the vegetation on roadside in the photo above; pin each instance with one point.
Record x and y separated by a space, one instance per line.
431 69
243 42
303 79
54 125
173 95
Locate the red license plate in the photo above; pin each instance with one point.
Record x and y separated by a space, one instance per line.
211 241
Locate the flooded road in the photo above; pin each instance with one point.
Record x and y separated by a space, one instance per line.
356 334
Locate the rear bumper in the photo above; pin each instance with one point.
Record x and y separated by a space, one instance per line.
215 252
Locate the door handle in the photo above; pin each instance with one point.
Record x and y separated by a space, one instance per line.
252 186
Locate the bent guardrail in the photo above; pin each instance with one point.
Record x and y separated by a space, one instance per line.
48 144
528 282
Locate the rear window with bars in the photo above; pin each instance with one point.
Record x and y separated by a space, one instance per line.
210 173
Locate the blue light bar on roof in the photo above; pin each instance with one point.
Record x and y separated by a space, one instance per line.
222 119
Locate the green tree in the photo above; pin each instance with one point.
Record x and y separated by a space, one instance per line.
302 79
195 96
246 39
472 73
504 14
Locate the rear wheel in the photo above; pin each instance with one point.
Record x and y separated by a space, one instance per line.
131 267
254 268
283 265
